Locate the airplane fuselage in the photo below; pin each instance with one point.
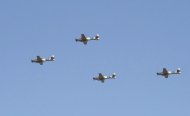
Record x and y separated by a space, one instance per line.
39 61
99 79
84 39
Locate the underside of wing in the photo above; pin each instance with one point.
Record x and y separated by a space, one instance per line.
85 42
166 76
102 81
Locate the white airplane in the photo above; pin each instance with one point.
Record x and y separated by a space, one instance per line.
85 39
166 73
103 77
42 60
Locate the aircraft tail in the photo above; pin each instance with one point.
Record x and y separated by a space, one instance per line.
113 75
178 71
97 37
52 58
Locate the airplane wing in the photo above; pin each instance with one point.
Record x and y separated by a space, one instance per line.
165 71
83 36
166 76
101 77
39 58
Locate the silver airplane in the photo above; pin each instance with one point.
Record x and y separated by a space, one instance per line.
85 39
166 73
42 60
103 77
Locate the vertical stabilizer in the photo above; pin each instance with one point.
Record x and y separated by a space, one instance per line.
114 75
52 58
97 37
178 70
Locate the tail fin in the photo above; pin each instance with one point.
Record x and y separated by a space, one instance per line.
52 58
97 37
179 70
114 75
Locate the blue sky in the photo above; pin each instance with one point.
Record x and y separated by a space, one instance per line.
138 39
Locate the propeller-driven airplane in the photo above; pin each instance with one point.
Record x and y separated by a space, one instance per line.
85 39
103 77
42 60
166 73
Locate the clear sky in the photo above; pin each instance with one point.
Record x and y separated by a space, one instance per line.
138 39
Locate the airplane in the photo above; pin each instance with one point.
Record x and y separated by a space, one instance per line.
166 73
102 77
42 60
85 39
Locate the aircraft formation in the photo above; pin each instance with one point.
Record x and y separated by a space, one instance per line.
84 39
